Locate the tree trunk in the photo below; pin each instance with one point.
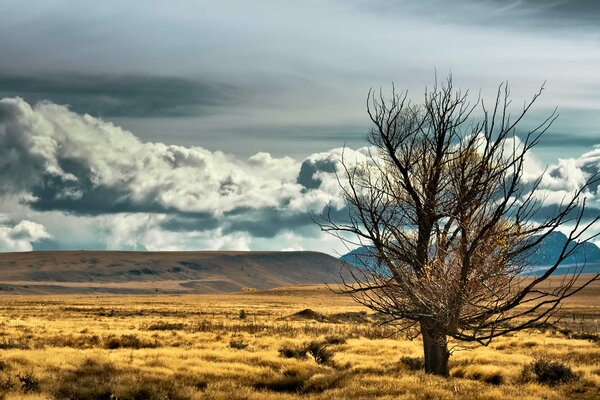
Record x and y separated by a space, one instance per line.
435 346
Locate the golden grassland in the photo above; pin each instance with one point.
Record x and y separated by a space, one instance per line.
197 347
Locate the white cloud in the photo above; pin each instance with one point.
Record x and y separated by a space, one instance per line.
21 236
89 183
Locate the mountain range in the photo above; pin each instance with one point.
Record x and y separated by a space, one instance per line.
546 254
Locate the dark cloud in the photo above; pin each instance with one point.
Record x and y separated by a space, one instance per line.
190 223
122 96
309 168
267 223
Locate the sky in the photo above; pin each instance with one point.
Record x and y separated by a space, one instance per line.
207 125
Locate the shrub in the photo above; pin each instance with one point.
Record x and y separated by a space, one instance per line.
413 363
302 382
288 351
238 344
166 326
286 383
126 341
6 384
29 383
243 314
483 373
548 372
335 340
320 352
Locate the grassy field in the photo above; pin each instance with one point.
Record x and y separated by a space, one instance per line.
198 347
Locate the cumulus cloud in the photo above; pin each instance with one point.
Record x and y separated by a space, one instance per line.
80 164
66 167
21 236
154 195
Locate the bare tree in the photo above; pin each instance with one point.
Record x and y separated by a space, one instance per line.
443 206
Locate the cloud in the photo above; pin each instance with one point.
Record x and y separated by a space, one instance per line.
123 95
153 195
83 165
90 184
21 236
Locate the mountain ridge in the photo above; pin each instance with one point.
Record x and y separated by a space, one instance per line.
545 256
167 272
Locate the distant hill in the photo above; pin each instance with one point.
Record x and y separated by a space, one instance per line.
165 272
545 255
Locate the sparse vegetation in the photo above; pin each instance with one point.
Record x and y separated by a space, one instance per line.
319 351
549 372
238 344
164 347
413 363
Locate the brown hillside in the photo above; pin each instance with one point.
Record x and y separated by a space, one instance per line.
165 272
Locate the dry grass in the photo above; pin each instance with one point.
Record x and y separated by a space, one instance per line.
197 347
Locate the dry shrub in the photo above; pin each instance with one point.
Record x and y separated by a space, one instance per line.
297 381
289 351
335 339
165 326
483 373
320 352
317 349
127 341
29 383
548 372
413 363
238 344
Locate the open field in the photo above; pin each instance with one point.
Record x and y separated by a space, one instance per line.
198 347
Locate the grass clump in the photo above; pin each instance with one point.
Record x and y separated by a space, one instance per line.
126 341
302 381
29 383
320 352
166 326
238 344
317 349
413 363
548 372
289 351
335 340
482 373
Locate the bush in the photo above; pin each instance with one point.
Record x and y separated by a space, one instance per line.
413 363
548 372
29 383
238 344
126 341
243 314
166 326
335 340
286 383
320 352
483 373
302 382
288 351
